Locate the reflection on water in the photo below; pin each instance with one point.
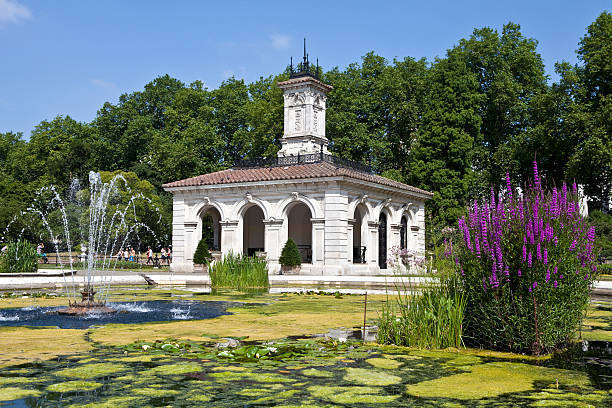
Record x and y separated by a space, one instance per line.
127 312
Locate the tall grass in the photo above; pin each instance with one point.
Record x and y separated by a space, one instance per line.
19 257
429 317
239 272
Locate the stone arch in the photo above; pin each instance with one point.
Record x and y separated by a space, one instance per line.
243 205
203 206
299 228
252 229
209 227
359 220
285 205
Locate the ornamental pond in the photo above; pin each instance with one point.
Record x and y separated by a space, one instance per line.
267 349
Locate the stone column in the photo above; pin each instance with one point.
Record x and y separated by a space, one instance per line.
394 239
318 241
336 215
230 241
372 245
272 239
349 231
191 241
179 264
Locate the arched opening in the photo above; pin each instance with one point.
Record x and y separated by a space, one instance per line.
253 231
300 229
382 241
404 233
211 229
359 236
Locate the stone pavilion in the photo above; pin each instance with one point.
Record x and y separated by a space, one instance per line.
343 218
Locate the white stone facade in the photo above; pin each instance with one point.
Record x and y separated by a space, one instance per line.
336 210
345 222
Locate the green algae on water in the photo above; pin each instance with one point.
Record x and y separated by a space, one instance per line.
364 376
70 386
14 393
88 371
384 363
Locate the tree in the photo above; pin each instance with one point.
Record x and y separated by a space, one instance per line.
442 157
202 255
290 255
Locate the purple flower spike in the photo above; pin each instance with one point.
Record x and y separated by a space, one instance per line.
555 270
539 252
529 260
560 276
524 253
508 185
555 284
573 245
545 257
535 284
547 275
519 273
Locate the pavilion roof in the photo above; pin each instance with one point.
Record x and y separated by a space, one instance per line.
292 172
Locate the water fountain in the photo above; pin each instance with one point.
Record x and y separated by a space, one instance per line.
114 220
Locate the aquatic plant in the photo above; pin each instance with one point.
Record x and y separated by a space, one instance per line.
526 262
431 318
19 256
239 272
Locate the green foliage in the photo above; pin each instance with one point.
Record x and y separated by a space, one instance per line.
290 255
603 227
239 272
202 255
526 266
20 256
430 318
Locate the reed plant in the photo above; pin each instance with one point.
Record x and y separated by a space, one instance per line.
19 256
429 317
239 272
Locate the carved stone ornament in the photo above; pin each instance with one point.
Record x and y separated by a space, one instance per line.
295 195
385 202
363 199
206 200
249 197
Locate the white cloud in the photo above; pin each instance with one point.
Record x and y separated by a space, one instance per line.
102 83
280 41
13 12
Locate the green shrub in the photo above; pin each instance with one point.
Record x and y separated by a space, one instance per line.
239 272
202 255
19 257
290 256
526 265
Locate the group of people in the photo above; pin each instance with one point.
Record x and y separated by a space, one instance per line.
40 253
129 254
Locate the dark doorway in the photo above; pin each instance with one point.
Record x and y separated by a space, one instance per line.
382 241
404 233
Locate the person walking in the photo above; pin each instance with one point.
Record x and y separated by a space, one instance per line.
119 255
132 255
169 255
163 255
126 255
149 255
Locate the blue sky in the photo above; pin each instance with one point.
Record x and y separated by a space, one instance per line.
69 57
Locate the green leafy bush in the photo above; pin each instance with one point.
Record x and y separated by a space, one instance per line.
202 255
239 272
290 256
20 256
526 264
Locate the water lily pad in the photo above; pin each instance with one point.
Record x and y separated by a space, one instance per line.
384 363
229 368
70 386
370 377
88 371
279 396
13 393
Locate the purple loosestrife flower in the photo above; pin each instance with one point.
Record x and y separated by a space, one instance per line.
555 270
591 234
536 177
555 284
539 252
524 252
519 273
560 276
545 257
477 246
573 245
529 260
574 188
547 275
535 284
508 185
